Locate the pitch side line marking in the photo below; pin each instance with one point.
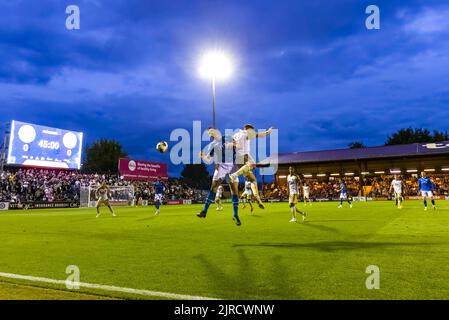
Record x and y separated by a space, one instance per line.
106 287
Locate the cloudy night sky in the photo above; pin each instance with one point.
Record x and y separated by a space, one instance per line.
309 68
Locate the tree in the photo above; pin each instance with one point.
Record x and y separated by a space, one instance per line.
356 145
196 176
418 135
103 155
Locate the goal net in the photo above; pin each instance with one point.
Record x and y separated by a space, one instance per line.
120 196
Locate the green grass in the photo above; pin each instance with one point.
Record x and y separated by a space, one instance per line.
266 258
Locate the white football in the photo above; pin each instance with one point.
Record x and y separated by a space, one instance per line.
162 146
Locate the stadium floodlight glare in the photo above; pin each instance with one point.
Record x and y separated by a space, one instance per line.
379 172
335 174
308 175
445 169
282 177
215 65
395 171
321 175
429 170
365 173
412 170
349 173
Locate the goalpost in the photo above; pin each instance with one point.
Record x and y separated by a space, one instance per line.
121 196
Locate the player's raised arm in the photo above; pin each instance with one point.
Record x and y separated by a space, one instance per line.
264 134
206 158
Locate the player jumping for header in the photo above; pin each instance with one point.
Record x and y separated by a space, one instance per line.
344 194
244 159
425 185
396 185
159 188
293 182
221 151
103 195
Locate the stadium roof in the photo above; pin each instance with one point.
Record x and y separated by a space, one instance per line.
404 150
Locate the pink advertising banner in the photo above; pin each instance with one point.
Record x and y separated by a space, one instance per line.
142 170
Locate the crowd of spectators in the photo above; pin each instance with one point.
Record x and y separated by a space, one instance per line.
376 187
43 185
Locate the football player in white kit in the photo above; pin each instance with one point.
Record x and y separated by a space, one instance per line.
103 194
293 183
218 198
306 194
245 160
247 195
396 185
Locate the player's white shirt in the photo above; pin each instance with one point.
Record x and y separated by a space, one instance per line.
293 182
306 190
241 138
103 194
397 185
220 191
248 190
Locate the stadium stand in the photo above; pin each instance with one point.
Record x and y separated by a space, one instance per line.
367 171
42 185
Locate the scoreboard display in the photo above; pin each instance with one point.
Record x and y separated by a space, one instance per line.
41 146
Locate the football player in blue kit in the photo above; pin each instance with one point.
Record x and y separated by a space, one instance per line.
221 152
344 194
426 187
159 188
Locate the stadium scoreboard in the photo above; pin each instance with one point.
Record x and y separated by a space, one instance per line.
41 146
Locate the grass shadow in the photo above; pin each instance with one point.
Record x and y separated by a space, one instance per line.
247 280
313 225
329 246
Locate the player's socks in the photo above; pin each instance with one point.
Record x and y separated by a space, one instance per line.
425 203
433 203
300 212
237 221
255 191
235 205
341 202
209 200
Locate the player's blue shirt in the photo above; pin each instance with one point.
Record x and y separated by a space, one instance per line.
342 188
219 151
159 187
425 184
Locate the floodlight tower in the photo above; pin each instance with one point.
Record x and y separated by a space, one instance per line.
215 65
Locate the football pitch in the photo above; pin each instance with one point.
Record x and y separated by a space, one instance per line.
325 257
